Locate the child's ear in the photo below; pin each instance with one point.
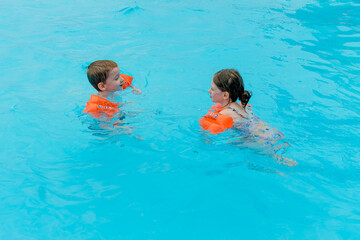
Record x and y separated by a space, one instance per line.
101 86
226 95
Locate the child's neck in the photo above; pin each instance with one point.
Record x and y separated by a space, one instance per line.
226 104
105 94
234 105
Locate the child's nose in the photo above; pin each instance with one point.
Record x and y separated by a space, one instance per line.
209 91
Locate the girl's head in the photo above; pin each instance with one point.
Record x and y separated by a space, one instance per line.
227 86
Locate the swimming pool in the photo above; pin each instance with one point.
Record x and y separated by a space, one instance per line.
64 178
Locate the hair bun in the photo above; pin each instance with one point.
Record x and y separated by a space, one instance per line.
245 97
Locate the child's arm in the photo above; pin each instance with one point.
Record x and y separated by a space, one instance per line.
135 90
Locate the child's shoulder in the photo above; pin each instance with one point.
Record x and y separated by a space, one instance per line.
238 114
229 112
248 107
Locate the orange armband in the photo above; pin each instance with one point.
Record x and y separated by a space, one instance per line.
98 106
127 80
216 122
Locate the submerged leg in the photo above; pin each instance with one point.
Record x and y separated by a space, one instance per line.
284 160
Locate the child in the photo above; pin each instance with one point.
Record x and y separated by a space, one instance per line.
105 77
227 87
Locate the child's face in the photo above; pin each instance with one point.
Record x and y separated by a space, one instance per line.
114 81
216 95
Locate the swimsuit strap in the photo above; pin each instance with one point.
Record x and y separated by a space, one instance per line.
235 110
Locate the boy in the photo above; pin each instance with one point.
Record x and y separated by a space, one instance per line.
105 77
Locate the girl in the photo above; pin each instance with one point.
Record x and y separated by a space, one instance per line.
227 87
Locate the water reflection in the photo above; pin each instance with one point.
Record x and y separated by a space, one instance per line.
331 43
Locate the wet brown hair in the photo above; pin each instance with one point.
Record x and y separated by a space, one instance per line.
98 71
230 80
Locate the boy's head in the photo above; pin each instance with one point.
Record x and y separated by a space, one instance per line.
98 72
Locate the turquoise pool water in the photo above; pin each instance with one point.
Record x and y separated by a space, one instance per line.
64 177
